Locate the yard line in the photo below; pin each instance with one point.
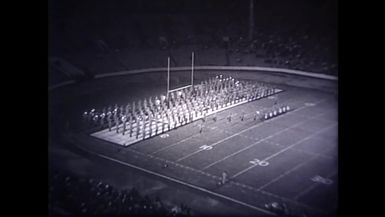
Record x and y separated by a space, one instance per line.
312 186
247 147
169 146
222 140
319 119
283 150
306 138
307 152
181 182
219 178
176 143
298 150
287 172
242 131
263 139
280 197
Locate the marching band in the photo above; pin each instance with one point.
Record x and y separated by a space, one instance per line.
178 108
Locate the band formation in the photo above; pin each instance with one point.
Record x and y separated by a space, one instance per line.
149 117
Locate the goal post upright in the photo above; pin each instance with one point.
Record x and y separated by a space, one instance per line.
168 76
192 70
169 81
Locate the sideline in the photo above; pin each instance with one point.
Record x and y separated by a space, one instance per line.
178 181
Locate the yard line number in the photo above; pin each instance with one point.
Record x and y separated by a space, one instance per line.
321 180
164 135
258 162
206 147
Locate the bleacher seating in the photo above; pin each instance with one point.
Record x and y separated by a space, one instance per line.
90 197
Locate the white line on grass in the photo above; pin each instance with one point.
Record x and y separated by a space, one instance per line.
242 131
219 178
181 182
303 151
280 198
287 172
176 143
222 140
281 151
263 139
248 147
312 187
318 119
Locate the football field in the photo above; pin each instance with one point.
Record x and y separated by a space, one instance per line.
290 159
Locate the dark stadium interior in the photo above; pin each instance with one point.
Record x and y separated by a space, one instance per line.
299 34
266 145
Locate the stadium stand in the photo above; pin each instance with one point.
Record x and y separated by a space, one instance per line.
219 39
77 196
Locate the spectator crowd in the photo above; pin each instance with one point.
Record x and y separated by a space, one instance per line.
91 197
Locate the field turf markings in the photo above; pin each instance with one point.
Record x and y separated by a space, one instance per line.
287 172
279 198
214 177
174 144
220 141
242 131
318 119
247 187
182 182
310 188
281 151
303 151
259 141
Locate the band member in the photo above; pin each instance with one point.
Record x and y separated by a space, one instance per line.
121 111
133 108
153 118
91 114
124 120
137 128
131 124
204 116
224 177
85 117
257 113
102 116
95 120
109 119
116 119
116 108
168 121
127 109
143 129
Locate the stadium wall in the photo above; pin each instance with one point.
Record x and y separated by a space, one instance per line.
213 68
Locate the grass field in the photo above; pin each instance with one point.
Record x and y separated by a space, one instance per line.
289 159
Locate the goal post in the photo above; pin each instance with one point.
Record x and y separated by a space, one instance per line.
183 87
168 76
192 69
